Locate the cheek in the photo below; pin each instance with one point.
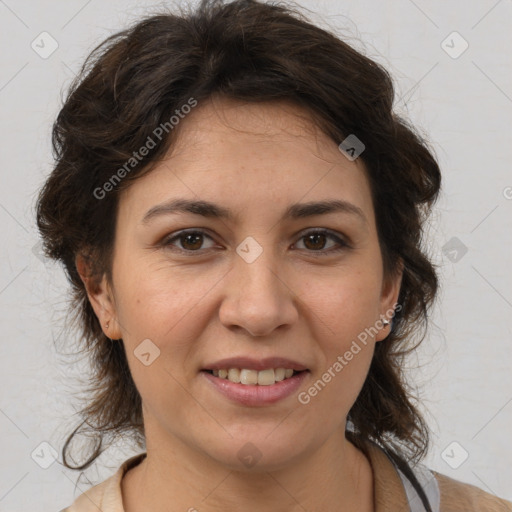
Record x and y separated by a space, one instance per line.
160 317
342 306
344 312
336 383
156 298
167 307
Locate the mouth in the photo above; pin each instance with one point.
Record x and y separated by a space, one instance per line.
249 377
255 388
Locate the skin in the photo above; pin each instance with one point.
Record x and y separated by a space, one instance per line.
255 159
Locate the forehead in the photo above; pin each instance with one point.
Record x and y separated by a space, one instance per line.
244 125
260 155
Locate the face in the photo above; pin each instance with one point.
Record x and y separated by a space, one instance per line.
256 284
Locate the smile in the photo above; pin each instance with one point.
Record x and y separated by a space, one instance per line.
253 377
244 386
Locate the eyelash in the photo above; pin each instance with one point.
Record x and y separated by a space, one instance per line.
167 242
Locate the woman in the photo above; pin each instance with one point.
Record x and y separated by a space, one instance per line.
239 213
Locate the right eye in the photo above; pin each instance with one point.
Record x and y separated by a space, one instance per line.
190 240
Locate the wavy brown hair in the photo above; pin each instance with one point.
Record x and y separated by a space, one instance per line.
256 52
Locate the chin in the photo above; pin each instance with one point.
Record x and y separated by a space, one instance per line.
255 453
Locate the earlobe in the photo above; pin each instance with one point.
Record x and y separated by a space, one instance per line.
100 297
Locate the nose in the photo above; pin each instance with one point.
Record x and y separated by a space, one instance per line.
257 298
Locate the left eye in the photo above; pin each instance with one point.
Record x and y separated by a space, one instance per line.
314 241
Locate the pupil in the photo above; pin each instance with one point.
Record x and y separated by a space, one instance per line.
315 237
193 236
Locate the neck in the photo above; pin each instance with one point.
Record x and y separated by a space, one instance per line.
336 477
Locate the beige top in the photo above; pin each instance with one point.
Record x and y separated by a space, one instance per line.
389 492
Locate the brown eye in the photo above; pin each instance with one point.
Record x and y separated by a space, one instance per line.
315 241
189 241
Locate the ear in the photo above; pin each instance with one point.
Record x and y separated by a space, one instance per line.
388 300
101 298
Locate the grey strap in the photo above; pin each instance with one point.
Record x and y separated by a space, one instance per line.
429 484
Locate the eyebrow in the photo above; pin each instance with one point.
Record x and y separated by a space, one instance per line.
212 210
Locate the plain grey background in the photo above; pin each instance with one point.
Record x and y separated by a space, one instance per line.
452 62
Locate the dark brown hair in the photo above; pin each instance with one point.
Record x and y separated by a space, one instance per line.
247 50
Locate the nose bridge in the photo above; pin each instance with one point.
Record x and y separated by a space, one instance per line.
256 275
256 299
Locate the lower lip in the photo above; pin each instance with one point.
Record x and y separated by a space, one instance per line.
256 395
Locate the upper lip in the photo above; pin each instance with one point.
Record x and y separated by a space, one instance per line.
250 363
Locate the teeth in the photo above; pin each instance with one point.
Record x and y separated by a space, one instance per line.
253 377
279 374
233 374
249 376
266 377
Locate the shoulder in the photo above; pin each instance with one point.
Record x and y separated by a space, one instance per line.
395 488
105 496
92 499
461 497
